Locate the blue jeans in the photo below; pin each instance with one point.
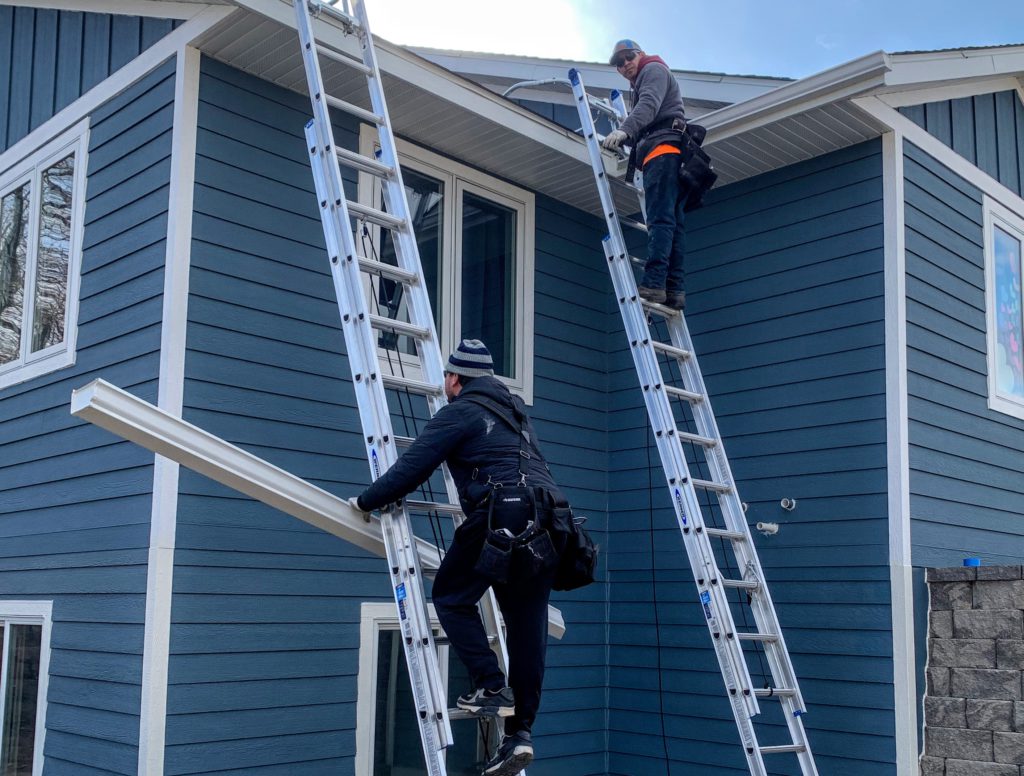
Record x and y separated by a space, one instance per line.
524 605
665 197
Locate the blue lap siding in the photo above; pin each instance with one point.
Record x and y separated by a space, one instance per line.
50 58
785 303
265 636
987 130
75 501
965 459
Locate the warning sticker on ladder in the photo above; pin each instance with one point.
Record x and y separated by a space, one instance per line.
400 596
682 510
705 601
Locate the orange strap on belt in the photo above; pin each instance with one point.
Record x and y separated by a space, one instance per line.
661 150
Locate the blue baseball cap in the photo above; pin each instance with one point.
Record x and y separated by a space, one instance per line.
626 44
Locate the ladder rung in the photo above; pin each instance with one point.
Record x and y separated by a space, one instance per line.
638 261
775 692
364 163
403 441
697 439
343 58
741 584
329 8
768 637
660 309
682 393
721 533
399 327
355 110
416 386
633 224
717 487
672 350
389 271
784 749
433 506
456 714
375 216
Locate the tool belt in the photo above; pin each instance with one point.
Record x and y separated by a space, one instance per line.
696 172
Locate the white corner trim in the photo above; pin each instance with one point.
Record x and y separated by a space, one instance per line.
158 9
163 525
938 150
147 61
899 98
898 461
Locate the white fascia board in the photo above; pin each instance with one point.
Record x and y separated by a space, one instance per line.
413 69
855 77
925 68
899 97
157 9
138 421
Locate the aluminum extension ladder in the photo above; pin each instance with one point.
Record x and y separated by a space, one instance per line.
659 395
359 325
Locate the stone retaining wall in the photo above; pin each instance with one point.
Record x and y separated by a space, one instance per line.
974 704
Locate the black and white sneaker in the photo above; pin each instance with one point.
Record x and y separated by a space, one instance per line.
514 753
489 703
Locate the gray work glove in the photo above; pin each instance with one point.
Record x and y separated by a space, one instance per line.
354 503
615 139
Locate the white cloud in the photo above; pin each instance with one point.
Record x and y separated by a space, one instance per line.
542 28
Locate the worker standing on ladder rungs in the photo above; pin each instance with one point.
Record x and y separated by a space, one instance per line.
514 513
654 130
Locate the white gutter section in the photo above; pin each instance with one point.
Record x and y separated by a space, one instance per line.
138 421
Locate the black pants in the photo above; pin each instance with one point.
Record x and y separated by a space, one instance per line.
664 197
524 605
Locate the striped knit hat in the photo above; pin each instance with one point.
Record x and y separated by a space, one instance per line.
471 359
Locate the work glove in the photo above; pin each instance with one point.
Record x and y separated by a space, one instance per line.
615 139
354 503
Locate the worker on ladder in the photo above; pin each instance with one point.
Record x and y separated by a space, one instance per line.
654 129
488 442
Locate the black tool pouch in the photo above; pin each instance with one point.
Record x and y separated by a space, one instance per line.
495 561
578 563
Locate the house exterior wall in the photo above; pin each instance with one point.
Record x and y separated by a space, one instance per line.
49 58
965 459
74 500
987 130
785 303
265 617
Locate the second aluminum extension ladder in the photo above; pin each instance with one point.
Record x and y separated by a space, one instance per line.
670 377
361 328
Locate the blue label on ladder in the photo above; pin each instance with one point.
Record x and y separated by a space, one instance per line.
705 601
400 596
374 464
682 510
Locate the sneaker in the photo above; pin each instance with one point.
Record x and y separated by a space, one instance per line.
656 295
514 753
675 299
489 703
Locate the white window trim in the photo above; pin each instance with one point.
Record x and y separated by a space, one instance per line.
30 613
31 365
999 215
457 178
377 616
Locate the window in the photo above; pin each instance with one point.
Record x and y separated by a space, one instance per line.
24 667
475 239
387 734
1004 253
41 205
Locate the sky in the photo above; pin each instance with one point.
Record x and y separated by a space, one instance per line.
783 38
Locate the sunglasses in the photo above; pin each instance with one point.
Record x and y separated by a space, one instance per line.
628 56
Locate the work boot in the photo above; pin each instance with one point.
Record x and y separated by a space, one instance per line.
656 295
675 299
488 703
514 753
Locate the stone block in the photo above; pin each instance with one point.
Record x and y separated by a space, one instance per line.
952 574
1010 654
953 595
962 653
938 681
985 684
987 624
933 766
960 744
974 768
947 712
1018 717
1008 748
1008 594
940 624
989 715
999 572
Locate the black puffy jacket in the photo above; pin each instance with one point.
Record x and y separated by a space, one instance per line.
477 444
